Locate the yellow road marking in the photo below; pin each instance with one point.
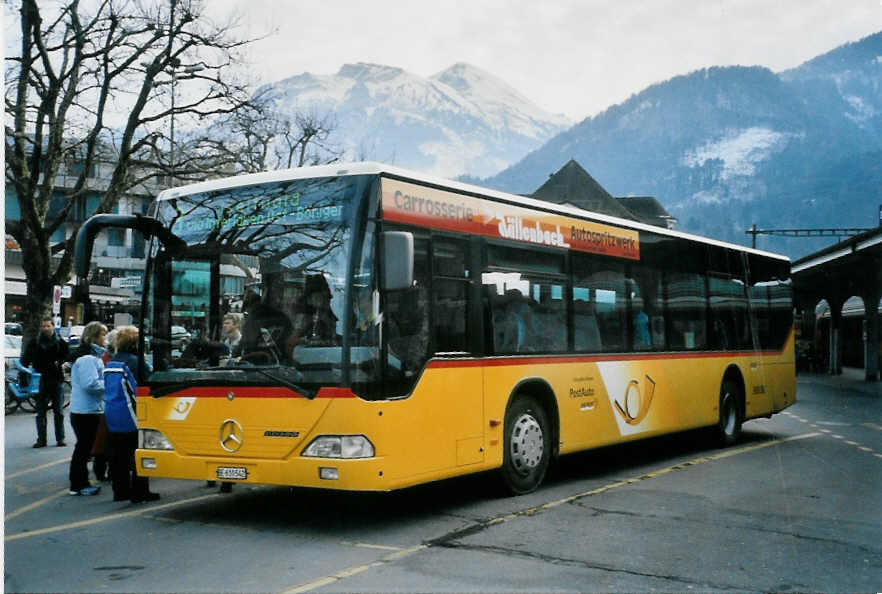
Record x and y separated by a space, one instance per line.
108 518
664 471
344 573
351 571
36 468
33 505
365 545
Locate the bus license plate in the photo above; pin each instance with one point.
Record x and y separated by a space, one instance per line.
232 472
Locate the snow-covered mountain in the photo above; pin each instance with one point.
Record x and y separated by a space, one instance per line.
459 121
724 148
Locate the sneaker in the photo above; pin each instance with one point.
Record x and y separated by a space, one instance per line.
39 444
90 490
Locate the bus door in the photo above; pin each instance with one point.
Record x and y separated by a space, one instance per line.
758 389
427 333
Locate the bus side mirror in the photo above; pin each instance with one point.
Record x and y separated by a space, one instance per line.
397 260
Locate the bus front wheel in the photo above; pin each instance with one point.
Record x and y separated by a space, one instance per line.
729 425
527 438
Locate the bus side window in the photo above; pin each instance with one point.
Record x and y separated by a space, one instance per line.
586 332
687 311
450 284
606 288
406 325
550 316
647 309
780 313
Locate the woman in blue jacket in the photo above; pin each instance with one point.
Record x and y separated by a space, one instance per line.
86 403
120 386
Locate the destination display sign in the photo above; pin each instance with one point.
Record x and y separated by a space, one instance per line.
404 202
252 207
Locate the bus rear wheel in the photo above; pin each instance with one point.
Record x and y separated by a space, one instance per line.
527 439
729 425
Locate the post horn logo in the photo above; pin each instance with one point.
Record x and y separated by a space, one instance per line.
636 405
231 435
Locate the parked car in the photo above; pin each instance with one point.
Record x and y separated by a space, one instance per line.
179 337
13 329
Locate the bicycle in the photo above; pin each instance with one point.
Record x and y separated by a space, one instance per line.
21 392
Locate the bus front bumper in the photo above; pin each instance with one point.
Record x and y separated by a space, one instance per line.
361 474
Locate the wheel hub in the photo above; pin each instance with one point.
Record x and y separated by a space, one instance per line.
729 415
527 444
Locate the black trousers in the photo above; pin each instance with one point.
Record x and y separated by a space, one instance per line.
123 475
50 392
85 427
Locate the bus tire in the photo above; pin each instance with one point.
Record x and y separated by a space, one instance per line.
729 424
527 441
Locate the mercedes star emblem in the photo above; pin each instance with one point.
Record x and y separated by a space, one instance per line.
231 435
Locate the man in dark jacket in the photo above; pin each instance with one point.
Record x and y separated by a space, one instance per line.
47 353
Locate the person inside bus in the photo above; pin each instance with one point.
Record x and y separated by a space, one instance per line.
648 324
267 332
366 317
514 323
406 330
586 332
315 323
642 338
232 333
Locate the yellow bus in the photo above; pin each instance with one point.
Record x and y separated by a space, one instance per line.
396 329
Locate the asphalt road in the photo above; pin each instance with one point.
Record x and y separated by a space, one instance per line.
797 505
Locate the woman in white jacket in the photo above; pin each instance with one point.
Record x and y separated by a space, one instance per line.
86 403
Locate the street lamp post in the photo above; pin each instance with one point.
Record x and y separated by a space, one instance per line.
173 70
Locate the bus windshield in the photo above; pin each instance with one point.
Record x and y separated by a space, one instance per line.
259 295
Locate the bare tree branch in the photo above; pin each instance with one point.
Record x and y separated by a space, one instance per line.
91 85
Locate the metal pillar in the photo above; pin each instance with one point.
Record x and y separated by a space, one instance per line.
871 295
835 353
871 346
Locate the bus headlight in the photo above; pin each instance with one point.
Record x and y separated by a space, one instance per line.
340 446
151 439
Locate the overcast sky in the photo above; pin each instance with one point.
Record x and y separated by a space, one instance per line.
575 57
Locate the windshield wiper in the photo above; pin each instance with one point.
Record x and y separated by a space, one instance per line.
164 390
310 394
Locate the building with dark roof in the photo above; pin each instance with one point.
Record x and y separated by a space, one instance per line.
648 210
574 186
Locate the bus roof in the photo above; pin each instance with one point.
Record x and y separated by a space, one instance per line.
374 168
